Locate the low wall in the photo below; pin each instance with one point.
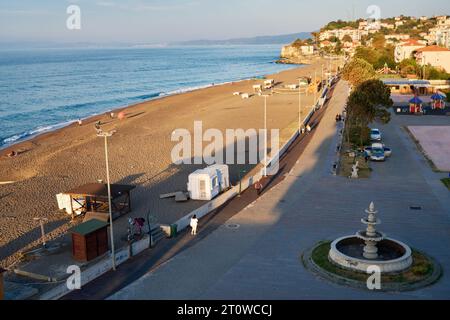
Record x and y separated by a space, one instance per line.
98 269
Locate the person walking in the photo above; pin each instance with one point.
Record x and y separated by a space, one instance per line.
194 224
308 129
258 187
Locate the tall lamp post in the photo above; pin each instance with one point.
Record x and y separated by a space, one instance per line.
241 172
265 133
106 135
299 108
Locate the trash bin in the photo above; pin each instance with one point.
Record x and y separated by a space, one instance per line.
173 230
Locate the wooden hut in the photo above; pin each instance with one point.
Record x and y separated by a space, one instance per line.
89 240
415 105
93 198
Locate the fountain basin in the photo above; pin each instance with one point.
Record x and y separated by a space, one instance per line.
347 252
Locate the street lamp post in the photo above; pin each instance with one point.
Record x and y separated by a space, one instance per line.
240 181
299 108
316 87
106 135
265 135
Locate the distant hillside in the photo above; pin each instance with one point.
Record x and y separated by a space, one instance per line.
280 39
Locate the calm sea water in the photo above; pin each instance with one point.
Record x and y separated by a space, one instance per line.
41 90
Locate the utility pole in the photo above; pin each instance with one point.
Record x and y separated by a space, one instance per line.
106 135
316 87
299 108
265 135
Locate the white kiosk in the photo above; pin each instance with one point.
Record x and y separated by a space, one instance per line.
206 184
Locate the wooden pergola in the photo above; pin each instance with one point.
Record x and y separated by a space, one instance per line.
93 198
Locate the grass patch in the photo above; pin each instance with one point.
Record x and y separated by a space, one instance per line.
446 182
347 161
421 268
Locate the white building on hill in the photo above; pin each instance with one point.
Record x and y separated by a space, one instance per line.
436 56
406 49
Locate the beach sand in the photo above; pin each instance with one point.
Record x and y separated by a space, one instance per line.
140 154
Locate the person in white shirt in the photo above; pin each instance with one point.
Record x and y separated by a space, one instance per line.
194 224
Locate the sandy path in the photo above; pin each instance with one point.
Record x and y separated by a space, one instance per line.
139 154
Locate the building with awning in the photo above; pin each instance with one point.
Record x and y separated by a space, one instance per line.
409 86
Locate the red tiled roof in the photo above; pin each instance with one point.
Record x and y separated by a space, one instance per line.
412 42
432 48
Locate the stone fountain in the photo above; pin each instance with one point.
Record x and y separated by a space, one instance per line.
371 237
370 248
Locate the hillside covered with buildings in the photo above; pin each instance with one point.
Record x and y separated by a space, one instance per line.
414 47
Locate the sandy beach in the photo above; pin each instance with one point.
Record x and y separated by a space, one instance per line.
140 154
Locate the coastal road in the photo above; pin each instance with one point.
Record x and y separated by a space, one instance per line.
149 260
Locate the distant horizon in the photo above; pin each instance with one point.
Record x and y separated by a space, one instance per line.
112 44
167 21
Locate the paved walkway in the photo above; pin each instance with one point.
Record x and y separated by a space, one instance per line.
261 259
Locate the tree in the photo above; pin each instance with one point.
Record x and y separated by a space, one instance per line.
408 66
367 103
357 71
347 38
378 41
316 36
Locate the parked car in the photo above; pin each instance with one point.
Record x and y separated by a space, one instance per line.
378 152
375 135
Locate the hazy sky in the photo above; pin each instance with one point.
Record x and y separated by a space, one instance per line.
156 21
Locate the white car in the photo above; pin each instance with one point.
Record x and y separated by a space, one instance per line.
378 152
375 135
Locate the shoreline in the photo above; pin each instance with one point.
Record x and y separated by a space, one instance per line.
93 117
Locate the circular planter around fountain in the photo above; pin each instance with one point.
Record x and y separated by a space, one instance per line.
424 271
393 256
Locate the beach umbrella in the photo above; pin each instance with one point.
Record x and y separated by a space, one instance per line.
437 96
415 100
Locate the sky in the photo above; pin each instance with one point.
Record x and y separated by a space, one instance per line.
162 21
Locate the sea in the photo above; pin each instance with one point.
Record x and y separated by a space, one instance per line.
45 89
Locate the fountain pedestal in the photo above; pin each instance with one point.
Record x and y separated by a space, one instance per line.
371 237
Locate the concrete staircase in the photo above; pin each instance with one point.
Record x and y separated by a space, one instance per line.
157 234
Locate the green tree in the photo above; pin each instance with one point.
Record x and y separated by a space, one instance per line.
378 41
357 71
408 66
347 38
369 102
